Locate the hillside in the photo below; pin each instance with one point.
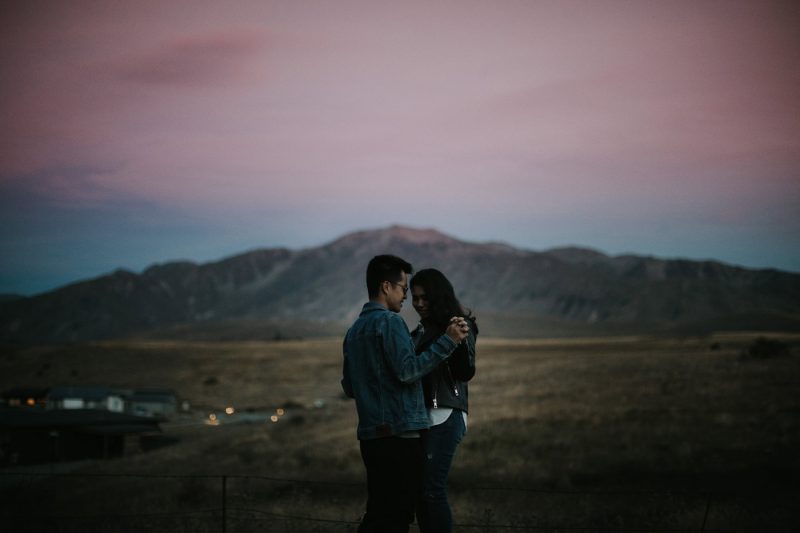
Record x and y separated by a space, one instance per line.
275 293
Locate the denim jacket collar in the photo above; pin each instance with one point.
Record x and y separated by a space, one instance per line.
372 306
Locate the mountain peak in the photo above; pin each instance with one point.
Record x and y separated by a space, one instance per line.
570 288
418 235
398 232
578 254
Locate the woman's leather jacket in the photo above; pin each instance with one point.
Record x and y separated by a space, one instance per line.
446 385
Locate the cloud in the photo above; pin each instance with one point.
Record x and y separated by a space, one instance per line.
71 188
194 60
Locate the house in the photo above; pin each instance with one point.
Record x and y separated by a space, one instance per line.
86 397
158 403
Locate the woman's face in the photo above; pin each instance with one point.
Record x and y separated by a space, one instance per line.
420 302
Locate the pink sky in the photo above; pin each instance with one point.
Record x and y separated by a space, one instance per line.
199 129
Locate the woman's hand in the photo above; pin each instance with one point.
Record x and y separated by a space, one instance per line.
458 329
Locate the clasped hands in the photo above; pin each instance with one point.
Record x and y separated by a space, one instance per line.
458 329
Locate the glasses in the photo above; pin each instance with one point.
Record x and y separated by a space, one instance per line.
404 287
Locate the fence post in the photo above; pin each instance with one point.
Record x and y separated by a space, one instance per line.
224 502
705 516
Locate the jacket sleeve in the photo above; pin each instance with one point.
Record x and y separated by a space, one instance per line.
462 362
346 385
401 356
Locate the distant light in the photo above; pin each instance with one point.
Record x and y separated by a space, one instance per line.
212 417
229 410
280 412
31 402
273 418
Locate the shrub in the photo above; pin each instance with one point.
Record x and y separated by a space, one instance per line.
764 348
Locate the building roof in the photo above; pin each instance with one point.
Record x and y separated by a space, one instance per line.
85 392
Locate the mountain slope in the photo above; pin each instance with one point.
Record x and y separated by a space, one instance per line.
518 292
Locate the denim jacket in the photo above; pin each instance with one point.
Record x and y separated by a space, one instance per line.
382 372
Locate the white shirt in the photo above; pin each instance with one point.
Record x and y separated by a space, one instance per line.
439 415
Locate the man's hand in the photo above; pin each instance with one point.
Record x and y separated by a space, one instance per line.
458 329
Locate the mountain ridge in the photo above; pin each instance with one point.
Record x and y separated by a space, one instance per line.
319 290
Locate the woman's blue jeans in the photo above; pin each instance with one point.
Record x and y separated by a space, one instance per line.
439 445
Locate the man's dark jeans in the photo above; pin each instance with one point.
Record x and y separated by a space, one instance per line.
439 445
394 475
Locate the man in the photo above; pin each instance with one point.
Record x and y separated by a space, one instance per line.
382 371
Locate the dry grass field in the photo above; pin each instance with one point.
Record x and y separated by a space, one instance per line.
603 434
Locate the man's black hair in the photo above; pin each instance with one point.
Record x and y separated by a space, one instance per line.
385 268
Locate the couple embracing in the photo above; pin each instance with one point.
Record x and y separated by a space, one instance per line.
411 394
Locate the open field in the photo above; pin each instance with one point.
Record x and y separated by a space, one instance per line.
604 434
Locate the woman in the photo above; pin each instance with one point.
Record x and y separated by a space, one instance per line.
445 391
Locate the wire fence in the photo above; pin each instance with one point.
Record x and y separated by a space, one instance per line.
66 502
